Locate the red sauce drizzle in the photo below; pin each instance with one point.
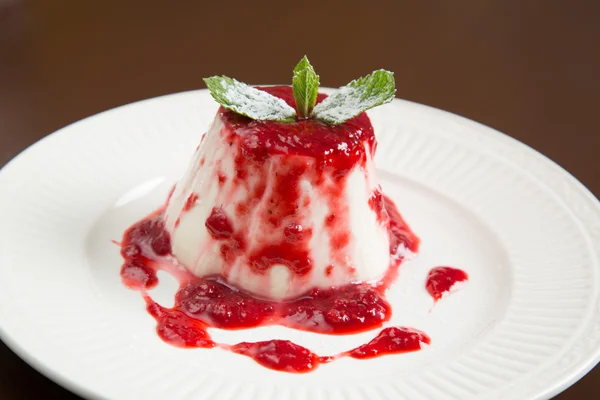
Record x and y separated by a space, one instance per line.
309 137
329 270
177 329
222 179
218 224
280 355
180 330
211 302
189 203
392 340
340 310
142 244
441 279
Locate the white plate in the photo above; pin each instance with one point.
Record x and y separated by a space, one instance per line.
525 326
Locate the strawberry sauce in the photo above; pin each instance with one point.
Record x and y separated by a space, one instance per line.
440 280
179 330
280 355
212 302
335 147
345 309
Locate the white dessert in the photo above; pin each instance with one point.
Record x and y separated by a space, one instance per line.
324 251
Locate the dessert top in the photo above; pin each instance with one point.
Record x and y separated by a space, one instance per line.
339 146
342 105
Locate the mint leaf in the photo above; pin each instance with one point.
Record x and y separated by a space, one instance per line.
248 101
305 85
359 95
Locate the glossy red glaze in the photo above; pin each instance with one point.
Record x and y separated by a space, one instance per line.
189 203
283 355
339 310
177 329
400 232
280 355
218 224
143 243
219 305
309 137
327 154
441 279
211 302
342 310
391 341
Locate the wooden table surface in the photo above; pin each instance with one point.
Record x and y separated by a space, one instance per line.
527 68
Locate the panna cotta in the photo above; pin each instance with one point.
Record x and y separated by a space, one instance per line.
279 208
279 220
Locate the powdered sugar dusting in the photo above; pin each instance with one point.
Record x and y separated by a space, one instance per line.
358 96
344 104
249 101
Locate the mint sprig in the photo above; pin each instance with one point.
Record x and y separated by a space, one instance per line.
345 103
248 101
305 85
356 97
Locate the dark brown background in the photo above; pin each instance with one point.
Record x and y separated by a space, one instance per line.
527 68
